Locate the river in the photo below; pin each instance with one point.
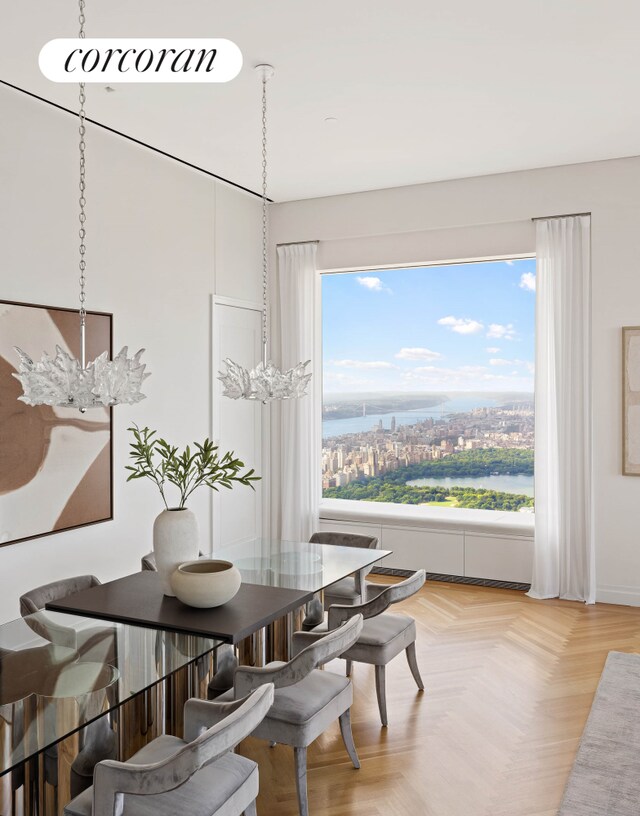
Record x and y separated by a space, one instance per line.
337 427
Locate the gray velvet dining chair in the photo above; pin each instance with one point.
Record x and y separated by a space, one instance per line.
96 643
195 776
347 590
306 701
38 598
93 643
384 635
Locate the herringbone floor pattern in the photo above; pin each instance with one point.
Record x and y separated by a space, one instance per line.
509 684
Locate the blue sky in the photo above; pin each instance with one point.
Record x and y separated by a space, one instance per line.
462 327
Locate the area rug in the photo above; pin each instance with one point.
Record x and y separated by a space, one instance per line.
605 779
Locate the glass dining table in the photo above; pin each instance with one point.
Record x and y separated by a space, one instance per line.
297 565
75 690
308 566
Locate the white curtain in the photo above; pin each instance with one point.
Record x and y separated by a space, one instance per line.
564 554
296 435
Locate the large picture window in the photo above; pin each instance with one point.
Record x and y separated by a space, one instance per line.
428 385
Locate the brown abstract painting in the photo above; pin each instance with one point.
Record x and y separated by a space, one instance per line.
55 463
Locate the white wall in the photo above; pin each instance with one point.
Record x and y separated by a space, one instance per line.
609 190
161 239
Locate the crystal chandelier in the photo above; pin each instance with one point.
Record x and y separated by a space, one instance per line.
265 382
63 381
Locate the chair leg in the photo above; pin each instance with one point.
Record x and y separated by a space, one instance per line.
347 737
251 809
300 756
413 665
349 667
382 694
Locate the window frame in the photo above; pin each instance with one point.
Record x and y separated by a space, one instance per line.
445 515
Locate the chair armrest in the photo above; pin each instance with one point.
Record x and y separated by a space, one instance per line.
202 714
248 678
48 629
372 590
339 614
112 780
300 640
318 651
388 595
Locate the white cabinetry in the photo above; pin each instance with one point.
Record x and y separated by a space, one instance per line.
502 558
433 550
468 553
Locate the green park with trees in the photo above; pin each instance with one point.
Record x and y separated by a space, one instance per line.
393 487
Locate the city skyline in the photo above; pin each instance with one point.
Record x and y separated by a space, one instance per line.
455 327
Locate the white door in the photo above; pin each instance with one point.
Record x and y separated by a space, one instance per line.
237 425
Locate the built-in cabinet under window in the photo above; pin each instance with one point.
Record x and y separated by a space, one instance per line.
468 553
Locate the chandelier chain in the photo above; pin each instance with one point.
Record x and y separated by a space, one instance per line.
266 382
66 381
82 184
264 213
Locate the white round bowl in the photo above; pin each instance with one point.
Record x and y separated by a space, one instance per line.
206 582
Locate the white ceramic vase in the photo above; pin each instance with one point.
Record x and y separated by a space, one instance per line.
175 540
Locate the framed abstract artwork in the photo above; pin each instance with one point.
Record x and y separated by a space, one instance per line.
631 401
56 468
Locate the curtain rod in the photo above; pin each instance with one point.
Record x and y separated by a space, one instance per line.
296 243
565 215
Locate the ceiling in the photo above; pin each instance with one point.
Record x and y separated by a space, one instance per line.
421 90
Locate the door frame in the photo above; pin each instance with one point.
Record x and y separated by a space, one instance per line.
262 420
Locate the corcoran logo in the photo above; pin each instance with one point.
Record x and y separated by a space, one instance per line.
140 60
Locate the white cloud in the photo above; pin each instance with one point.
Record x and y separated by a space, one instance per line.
501 332
417 353
528 281
362 364
464 378
461 325
492 350
498 362
510 263
372 283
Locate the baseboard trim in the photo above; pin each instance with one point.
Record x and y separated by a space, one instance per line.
621 595
456 579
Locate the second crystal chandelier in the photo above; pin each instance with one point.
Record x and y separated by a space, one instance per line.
265 382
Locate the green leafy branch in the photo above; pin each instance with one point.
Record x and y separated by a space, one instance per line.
194 467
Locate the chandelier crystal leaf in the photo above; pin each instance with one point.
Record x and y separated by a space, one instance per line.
63 381
266 382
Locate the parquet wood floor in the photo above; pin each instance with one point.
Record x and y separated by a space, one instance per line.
509 684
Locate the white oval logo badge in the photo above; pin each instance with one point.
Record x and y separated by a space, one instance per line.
140 60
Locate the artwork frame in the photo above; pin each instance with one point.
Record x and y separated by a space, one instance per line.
56 464
631 400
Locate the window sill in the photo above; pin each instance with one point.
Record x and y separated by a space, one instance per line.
492 522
